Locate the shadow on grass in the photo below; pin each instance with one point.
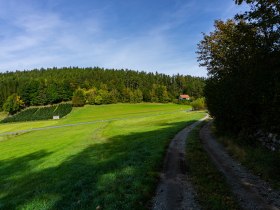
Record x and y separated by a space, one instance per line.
120 173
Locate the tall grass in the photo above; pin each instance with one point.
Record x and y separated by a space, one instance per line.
259 159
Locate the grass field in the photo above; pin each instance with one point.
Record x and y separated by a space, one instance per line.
111 164
95 113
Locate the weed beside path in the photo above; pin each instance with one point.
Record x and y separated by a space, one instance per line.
212 190
257 158
250 190
175 191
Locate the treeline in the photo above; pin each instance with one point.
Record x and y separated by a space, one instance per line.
242 56
50 86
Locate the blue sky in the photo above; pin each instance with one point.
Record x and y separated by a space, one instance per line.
148 35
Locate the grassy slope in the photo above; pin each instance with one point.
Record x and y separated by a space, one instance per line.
111 164
213 191
104 112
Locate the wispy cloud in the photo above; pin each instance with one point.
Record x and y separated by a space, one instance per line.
41 39
35 36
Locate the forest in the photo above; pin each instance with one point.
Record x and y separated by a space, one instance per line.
54 85
242 56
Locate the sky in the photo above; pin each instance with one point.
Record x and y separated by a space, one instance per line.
143 35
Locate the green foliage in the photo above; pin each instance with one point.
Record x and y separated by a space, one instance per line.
98 100
13 104
159 94
212 188
105 95
135 96
198 104
114 96
62 110
49 86
79 98
242 57
91 95
42 113
138 96
186 102
3 115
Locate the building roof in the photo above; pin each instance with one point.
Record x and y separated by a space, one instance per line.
184 96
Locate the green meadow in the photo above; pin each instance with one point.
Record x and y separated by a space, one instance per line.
96 113
112 162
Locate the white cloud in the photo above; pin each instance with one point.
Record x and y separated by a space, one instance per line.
45 39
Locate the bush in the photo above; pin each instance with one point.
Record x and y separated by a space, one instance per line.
198 104
79 98
91 95
13 104
98 100
184 102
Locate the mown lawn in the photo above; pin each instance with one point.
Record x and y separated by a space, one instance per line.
102 112
112 164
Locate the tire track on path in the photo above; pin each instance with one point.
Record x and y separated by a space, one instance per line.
175 190
251 192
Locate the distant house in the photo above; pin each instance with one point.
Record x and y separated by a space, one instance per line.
184 97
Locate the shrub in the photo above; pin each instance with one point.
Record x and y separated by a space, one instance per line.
79 98
198 104
91 95
98 100
13 104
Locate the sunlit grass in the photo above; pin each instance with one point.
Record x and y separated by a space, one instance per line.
92 113
113 164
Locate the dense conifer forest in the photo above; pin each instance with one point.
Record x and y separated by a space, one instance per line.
101 86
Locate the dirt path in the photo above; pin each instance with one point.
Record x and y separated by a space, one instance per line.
175 190
250 190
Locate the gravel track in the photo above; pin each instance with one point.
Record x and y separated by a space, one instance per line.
250 190
175 190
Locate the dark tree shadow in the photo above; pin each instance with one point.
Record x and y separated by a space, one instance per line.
120 173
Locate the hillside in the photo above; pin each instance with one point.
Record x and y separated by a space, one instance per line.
48 86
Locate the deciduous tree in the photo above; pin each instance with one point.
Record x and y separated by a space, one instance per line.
13 104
